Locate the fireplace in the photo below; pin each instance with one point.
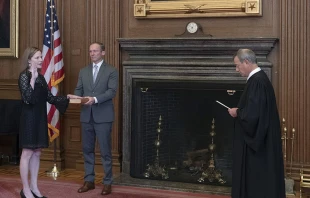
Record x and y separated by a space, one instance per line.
170 86
187 113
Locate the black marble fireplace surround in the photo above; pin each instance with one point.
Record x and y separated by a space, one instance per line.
180 79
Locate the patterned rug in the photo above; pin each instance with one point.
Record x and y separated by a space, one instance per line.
10 188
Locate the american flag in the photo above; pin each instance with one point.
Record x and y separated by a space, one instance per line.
53 66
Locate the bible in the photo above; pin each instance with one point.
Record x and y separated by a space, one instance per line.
78 100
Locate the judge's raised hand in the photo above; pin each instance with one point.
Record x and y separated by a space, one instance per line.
233 112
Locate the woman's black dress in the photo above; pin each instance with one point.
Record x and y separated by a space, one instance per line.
33 131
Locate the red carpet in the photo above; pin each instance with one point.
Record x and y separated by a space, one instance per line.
11 186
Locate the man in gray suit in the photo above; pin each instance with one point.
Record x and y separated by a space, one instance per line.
98 83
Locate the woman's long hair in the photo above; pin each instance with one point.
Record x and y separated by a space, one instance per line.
28 54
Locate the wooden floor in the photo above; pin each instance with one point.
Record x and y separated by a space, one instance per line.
68 174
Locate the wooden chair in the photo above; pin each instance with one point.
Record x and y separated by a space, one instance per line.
304 180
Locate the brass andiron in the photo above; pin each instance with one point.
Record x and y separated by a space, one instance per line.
211 173
155 169
284 139
292 151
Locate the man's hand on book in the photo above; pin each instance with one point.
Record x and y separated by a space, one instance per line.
89 100
84 100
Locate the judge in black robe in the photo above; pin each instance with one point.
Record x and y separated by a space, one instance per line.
258 170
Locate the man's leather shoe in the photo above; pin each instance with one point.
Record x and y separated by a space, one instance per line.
86 187
106 190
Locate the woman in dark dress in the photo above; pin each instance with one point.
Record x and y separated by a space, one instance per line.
33 122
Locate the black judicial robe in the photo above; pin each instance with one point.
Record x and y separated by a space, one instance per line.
258 170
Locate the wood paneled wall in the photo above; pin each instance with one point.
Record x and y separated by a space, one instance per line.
82 22
241 27
294 82
86 22
233 27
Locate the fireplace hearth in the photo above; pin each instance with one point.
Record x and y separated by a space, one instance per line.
178 81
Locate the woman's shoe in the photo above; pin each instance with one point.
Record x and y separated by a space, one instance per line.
22 195
36 195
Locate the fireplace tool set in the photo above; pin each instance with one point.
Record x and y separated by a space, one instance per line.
284 145
289 182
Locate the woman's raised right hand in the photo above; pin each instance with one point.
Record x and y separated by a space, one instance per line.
34 73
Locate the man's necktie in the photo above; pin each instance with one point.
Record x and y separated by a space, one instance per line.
95 73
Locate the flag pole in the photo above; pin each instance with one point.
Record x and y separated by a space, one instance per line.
54 172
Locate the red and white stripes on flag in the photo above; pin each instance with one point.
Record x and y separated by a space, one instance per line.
53 66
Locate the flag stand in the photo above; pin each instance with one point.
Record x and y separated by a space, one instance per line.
54 172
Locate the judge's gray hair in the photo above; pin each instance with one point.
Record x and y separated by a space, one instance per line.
246 54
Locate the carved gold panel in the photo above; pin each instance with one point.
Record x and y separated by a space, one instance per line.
196 8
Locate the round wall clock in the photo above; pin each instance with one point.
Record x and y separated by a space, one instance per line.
192 27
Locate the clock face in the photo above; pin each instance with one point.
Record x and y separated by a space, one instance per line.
192 27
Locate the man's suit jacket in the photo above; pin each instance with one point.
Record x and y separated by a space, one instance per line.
104 89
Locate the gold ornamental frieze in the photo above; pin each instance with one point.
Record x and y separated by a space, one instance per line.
196 8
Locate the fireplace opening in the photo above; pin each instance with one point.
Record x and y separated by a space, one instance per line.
179 133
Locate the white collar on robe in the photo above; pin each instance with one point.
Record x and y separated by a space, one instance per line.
253 72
